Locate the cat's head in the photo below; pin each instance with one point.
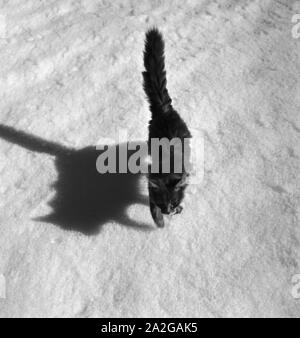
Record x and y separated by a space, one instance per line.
167 193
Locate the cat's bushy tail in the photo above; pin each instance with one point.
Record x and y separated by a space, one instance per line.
155 81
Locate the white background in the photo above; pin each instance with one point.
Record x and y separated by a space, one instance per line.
71 73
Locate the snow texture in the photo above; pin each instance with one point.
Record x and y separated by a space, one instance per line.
71 73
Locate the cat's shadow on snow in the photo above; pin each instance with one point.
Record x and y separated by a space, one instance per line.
84 199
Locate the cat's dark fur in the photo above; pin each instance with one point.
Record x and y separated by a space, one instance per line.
166 190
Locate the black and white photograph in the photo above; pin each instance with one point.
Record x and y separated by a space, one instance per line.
149 161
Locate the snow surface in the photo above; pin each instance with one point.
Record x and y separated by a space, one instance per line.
71 73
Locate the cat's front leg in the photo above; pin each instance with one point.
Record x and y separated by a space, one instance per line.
157 215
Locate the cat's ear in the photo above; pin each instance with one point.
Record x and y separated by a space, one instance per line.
157 215
154 184
183 181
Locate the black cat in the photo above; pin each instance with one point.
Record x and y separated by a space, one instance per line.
166 190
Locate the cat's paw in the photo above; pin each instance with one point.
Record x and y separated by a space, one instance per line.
159 219
160 222
178 209
157 215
